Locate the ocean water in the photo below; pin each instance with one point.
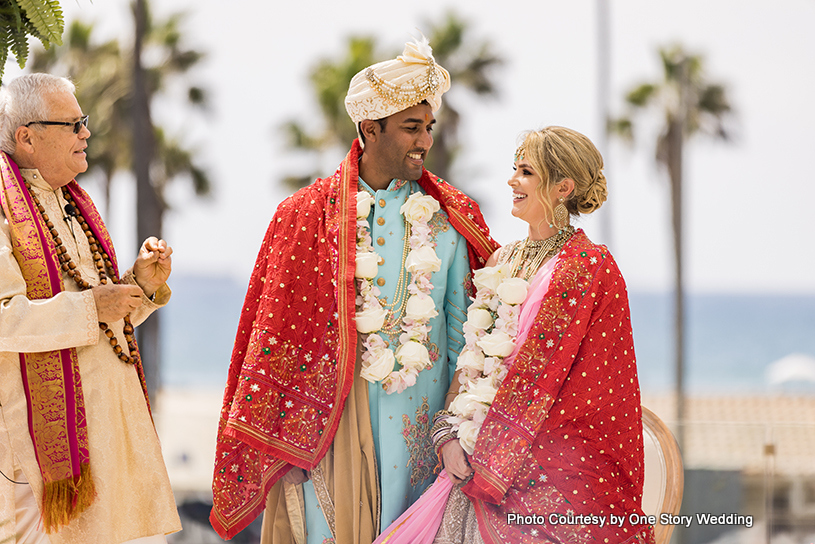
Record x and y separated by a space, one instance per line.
731 340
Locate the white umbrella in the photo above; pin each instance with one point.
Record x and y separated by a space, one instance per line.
794 367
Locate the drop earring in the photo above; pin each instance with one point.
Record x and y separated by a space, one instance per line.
561 216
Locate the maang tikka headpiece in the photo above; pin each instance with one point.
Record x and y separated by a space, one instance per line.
519 153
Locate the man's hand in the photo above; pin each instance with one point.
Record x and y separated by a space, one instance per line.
153 265
295 476
113 302
455 461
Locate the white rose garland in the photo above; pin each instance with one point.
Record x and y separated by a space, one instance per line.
378 361
490 332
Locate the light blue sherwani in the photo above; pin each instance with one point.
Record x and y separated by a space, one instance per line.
401 421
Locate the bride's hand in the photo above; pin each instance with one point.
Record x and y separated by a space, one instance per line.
455 461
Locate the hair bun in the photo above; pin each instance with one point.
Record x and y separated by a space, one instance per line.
595 194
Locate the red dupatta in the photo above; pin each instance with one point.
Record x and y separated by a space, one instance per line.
51 380
564 433
293 361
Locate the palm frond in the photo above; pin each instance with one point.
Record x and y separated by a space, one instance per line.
682 93
640 96
198 96
4 46
713 100
46 16
469 61
621 127
19 46
447 37
298 138
103 77
200 181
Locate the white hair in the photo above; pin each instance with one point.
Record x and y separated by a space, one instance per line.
24 100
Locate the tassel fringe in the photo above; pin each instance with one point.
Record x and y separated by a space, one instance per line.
64 500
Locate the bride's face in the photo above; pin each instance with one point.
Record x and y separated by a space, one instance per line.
526 204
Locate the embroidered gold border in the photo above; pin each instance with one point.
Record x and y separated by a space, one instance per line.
474 231
324 498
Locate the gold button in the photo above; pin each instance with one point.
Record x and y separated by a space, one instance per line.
380 221
380 282
381 261
381 202
380 241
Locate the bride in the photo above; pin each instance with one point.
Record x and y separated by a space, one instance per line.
541 438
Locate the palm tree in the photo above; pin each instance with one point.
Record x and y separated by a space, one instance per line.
470 65
117 96
156 158
468 62
329 80
690 106
20 19
103 90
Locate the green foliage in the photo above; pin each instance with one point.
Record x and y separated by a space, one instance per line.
330 82
103 76
621 127
46 16
20 19
298 138
329 79
689 105
683 96
470 64
639 96
174 161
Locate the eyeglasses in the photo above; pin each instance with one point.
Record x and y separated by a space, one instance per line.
83 122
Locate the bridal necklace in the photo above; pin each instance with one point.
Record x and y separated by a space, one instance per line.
527 256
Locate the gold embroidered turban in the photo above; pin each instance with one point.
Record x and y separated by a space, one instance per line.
394 85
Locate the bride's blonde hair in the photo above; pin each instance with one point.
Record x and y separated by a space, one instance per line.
557 153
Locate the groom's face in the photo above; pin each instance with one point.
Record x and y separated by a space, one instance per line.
403 141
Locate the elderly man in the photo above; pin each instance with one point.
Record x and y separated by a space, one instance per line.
351 328
80 456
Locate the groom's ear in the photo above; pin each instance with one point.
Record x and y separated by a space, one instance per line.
369 129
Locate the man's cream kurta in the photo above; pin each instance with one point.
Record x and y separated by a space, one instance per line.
134 498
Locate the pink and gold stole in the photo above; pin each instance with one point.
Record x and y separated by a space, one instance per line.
53 388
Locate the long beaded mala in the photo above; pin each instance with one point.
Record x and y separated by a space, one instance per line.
103 264
396 308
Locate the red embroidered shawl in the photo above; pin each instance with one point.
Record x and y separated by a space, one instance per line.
564 434
293 361
51 380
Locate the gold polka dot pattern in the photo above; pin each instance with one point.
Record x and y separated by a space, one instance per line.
564 434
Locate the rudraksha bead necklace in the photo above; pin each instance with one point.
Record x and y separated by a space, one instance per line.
103 264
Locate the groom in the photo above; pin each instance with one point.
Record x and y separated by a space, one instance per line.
351 328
